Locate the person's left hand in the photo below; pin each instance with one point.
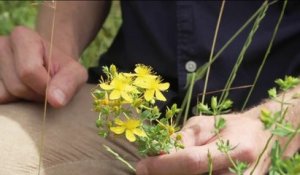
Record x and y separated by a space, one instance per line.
244 131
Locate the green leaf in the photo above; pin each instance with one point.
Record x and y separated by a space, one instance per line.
203 108
220 123
288 82
99 123
266 118
226 104
272 93
103 133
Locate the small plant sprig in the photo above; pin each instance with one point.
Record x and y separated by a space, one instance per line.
276 123
224 146
126 103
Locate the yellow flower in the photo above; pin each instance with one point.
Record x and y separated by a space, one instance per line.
143 71
131 127
153 88
120 86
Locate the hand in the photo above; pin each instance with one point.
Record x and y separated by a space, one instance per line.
24 65
245 131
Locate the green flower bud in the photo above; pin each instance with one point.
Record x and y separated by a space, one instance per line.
214 103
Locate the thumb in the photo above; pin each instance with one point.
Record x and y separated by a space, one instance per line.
65 83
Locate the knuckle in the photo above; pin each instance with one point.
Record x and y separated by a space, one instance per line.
26 72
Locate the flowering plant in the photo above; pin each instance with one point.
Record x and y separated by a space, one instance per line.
126 103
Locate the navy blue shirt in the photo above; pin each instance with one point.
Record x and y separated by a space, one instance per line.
176 37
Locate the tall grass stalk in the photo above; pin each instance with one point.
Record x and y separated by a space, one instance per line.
213 49
241 56
266 54
200 72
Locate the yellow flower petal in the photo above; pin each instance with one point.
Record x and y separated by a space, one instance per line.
130 136
132 123
118 129
115 94
141 82
105 86
163 86
126 96
149 94
129 74
139 132
119 122
159 96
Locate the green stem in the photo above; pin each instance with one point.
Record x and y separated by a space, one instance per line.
262 153
210 164
182 107
266 54
212 49
236 34
283 113
226 152
291 138
241 56
119 158
189 98
288 129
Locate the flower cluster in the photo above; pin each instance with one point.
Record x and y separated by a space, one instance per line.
126 103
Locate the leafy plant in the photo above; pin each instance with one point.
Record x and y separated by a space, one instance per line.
126 103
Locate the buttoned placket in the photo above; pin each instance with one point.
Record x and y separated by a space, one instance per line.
185 64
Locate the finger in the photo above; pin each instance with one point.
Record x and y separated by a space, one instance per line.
65 83
193 160
29 52
9 77
5 96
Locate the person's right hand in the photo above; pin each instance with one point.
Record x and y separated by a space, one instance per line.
24 70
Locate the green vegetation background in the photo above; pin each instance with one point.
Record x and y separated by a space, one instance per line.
13 13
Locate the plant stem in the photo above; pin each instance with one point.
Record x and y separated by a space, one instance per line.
226 152
266 54
236 34
210 164
42 137
261 154
241 56
119 158
189 98
212 49
291 138
282 114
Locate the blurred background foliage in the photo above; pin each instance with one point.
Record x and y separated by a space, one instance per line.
13 13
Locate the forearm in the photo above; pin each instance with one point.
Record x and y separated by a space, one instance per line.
76 23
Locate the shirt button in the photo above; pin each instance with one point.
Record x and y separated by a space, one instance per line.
191 66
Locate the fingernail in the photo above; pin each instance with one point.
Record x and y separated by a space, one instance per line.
59 96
